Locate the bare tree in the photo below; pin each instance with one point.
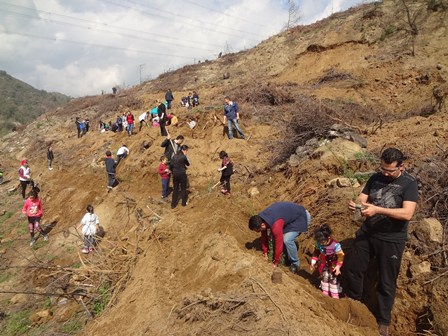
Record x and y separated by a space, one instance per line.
293 14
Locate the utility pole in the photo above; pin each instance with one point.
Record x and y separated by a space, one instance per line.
140 67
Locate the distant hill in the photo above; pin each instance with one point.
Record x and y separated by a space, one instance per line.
20 103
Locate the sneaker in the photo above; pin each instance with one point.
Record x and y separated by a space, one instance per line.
91 249
109 187
85 250
294 268
32 241
50 168
383 329
45 238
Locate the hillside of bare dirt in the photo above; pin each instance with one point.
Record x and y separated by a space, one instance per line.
198 270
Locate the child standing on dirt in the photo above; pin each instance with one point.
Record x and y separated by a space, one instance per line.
164 173
89 224
328 257
226 172
33 209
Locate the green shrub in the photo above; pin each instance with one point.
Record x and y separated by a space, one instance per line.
389 30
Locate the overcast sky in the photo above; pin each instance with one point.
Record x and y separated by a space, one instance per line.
81 47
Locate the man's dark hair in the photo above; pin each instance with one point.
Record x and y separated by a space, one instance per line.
183 147
180 137
391 155
108 153
222 154
227 97
255 223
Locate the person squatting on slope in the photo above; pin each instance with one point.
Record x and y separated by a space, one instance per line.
24 176
89 224
33 209
110 169
388 201
328 258
231 116
50 157
285 221
164 173
143 118
122 153
226 172
178 167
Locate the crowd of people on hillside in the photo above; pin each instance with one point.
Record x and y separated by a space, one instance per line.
387 201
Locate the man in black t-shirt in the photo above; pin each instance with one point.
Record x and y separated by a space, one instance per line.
178 167
388 201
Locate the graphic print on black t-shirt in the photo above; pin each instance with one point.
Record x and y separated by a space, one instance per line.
389 194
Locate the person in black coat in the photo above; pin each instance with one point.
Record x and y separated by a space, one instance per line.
172 147
50 157
110 169
169 98
178 167
161 112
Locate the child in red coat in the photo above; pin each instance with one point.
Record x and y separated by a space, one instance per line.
164 173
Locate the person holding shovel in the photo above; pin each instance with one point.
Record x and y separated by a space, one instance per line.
285 221
172 147
388 201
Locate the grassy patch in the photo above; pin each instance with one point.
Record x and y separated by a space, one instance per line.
72 327
76 265
7 215
4 277
17 323
102 300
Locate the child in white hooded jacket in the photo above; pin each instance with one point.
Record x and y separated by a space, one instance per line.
89 225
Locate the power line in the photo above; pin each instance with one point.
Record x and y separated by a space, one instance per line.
103 30
220 12
95 45
191 24
195 19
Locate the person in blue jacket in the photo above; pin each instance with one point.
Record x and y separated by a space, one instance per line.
231 116
285 221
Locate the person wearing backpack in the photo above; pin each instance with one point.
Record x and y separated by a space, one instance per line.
226 172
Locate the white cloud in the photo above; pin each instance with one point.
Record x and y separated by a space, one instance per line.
85 46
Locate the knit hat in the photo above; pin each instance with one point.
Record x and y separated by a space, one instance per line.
23 162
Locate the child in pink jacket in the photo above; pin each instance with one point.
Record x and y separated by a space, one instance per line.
33 209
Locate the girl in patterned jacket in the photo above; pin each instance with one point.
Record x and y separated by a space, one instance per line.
328 257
